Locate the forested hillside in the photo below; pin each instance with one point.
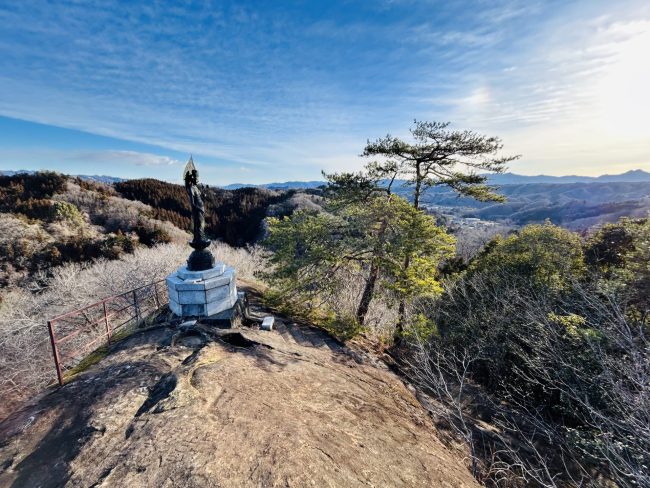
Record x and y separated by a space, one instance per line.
47 219
235 216
577 206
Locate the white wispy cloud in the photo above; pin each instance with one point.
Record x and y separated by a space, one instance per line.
273 91
122 157
575 99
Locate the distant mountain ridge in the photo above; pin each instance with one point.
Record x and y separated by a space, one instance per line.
632 176
98 178
287 185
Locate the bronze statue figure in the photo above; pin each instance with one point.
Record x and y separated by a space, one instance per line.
201 258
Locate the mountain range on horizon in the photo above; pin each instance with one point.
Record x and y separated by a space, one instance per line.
631 176
97 178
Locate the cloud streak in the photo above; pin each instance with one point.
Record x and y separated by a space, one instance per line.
123 157
299 88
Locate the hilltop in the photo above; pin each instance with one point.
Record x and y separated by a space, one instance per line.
291 407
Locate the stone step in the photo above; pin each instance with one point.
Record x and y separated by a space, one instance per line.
332 344
314 336
282 331
298 335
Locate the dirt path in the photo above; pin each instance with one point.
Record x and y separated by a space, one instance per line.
222 408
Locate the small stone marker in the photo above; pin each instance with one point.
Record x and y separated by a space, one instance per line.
188 324
267 323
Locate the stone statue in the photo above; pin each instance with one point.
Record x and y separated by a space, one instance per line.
201 258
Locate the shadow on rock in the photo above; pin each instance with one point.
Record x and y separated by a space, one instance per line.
47 466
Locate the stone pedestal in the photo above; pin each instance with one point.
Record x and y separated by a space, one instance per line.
202 293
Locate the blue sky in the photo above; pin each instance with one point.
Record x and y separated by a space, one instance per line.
273 91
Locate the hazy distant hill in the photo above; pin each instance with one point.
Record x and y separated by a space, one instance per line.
287 185
97 178
631 176
572 205
102 178
576 202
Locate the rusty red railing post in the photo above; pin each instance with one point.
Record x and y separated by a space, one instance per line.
59 360
155 295
137 309
55 352
108 328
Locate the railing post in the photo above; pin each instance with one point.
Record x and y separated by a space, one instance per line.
155 295
108 328
137 309
55 352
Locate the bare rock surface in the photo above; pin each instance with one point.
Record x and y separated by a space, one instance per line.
228 408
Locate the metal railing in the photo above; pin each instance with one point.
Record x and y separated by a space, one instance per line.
75 334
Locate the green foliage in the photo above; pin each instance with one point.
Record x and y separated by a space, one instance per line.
559 332
308 248
67 212
314 252
437 157
575 326
414 235
342 326
487 306
609 247
543 255
620 253
421 328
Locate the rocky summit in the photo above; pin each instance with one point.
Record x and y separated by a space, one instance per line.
212 407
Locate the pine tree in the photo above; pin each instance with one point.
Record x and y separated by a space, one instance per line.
438 156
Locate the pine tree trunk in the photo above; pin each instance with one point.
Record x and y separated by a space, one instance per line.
399 328
418 186
369 289
368 292
401 313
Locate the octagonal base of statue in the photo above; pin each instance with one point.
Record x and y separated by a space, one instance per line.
202 293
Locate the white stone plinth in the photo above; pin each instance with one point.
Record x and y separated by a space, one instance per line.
267 323
201 293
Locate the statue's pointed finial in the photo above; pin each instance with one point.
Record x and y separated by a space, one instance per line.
188 168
